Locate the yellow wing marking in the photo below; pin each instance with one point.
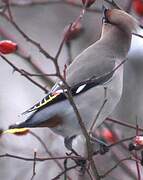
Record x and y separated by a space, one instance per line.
18 131
41 104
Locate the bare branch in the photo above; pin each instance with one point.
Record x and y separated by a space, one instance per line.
100 111
122 140
63 172
51 2
27 58
40 159
114 167
23 74
34 165
36 44
136 155
123 124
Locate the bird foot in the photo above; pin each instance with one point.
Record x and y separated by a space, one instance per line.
81 163
103 147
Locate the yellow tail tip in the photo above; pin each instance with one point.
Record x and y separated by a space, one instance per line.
16 131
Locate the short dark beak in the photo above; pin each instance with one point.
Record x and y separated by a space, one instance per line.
105 17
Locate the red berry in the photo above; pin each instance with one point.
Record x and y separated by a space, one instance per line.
7 47
138 140
88 2
108 136
138 7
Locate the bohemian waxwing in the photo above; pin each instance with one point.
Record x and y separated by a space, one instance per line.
96 62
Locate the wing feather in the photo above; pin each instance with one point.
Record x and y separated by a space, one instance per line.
58 94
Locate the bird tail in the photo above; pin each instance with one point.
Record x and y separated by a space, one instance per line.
19 128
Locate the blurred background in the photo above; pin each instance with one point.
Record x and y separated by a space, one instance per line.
45 23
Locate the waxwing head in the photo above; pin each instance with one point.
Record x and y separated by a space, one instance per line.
121 19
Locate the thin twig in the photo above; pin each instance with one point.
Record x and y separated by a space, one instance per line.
129 6
51 2
45 147
99 112
116 165
47 151
27 58
137 166
62 42
123 123
8 9
39 158
55 61
70 98
125 167
46 79
136 155
34 165
123 140
84 131
36 44
89 174
23 74
63 172
37 75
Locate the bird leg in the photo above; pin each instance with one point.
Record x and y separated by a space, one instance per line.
65 168
103 147
80 162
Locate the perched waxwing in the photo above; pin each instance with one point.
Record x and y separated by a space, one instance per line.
91 78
